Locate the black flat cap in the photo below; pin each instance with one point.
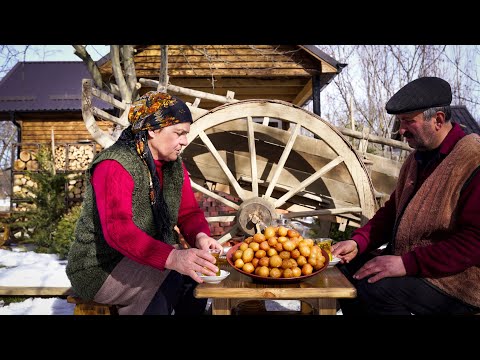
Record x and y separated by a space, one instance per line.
422 93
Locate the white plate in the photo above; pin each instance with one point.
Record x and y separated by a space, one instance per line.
215 279
334 261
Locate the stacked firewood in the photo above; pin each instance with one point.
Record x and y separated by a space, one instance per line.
79 157
67 157
22 185
27 160
76 186
24 206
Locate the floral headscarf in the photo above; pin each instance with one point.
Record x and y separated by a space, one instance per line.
154 110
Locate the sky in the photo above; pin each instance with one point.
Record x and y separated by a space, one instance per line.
61 52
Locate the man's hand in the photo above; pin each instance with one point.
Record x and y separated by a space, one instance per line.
381 266
191 261
345 250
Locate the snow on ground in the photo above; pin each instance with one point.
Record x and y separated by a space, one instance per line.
27 268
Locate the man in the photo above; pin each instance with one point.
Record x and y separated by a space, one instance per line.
431 221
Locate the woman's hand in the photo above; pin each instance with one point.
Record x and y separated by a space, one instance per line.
205 242
190 261
345 250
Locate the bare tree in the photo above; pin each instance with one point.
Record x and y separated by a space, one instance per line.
9 56
376 72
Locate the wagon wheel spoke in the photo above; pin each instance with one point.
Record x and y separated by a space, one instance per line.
283 159
337 211
338 160
228 235
253 155
226 218
213 195
240 192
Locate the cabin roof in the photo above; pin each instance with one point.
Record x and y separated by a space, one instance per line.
41 86
462 116
281 72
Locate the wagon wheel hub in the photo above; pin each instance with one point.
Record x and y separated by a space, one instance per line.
253 212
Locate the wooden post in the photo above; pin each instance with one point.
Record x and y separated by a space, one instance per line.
352 121
362 147
163 79
316 95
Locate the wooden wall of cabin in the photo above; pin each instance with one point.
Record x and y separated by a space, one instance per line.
67 128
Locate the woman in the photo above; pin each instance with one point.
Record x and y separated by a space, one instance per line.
126 251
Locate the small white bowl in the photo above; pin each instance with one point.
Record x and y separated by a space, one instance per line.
225 250
215 279
334 261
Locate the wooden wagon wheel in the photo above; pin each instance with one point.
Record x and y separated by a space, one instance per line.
268 168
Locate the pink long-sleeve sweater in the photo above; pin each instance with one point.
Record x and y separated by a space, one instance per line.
113 187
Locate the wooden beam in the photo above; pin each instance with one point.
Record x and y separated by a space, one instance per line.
375 139
108 98
190 92
326 67
304 94
106 116
228 83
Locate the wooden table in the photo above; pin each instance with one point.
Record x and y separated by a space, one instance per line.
320 291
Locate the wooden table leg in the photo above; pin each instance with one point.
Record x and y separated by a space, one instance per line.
327 306
308 306
221 307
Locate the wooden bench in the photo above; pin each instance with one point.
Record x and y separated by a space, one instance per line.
82 307
85 307
35 291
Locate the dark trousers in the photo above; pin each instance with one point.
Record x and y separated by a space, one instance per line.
404 295
176 294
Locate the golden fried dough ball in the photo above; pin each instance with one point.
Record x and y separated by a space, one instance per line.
254 246
275 261
237 254
282 231
247 255
258 238
269 232
264 261
239 263
275 273
248 268
307 269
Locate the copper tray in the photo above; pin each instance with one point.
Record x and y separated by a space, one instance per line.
271 280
